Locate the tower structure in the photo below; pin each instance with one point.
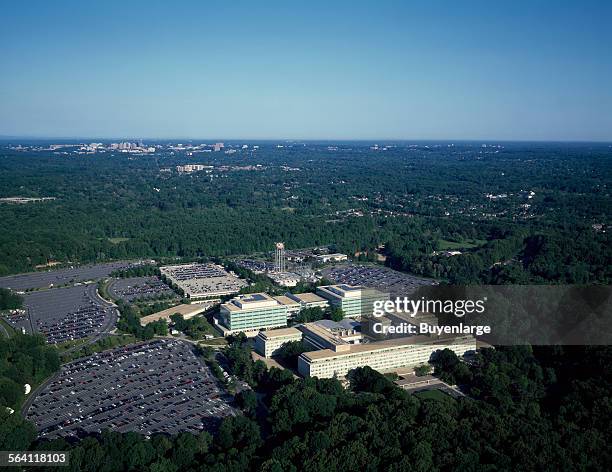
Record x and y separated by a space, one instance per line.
279 258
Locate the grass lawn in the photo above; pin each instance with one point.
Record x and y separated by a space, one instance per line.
103 344
118 240
103 290
467 244
70 344
214 342
434 395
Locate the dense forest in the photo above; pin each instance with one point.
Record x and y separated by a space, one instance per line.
527 409
24 360
10 300
518 213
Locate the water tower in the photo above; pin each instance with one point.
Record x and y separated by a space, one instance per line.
279 258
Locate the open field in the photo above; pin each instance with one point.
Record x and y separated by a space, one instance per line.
467 244
214 342
434 395
118 240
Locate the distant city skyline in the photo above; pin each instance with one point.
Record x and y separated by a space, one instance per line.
240 140
386 71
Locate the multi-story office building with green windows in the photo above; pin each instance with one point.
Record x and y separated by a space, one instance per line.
251 313
354 301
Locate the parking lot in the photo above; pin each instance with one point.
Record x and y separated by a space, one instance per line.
64 314
381 278
57 277
256 266
133 288
154 387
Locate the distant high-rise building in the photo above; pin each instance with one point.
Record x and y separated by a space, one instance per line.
279 257
219 146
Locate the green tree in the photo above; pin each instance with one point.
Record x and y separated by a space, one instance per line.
16 434
335 314
247 400
10 300
423 369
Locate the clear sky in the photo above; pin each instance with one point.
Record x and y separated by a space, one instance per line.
508 70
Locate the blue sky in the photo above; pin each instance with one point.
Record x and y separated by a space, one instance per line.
508 70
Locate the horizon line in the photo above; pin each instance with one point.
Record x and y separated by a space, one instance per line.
313 140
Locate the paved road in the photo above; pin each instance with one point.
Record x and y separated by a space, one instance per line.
34 393
112 320
4 331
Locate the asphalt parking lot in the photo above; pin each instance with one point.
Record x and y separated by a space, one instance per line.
133 288
64 314
381 278
154 387
255 265
57 277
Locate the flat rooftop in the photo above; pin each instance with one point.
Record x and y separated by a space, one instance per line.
348 288
193 271
203 279
284 300
419 317
343 290
307 297
345 324
324 332
378 345
280 333
253 297
184 309
251 301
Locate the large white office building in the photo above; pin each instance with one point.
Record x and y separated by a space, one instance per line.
268 343
328 334
379 355
309 300
250 313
